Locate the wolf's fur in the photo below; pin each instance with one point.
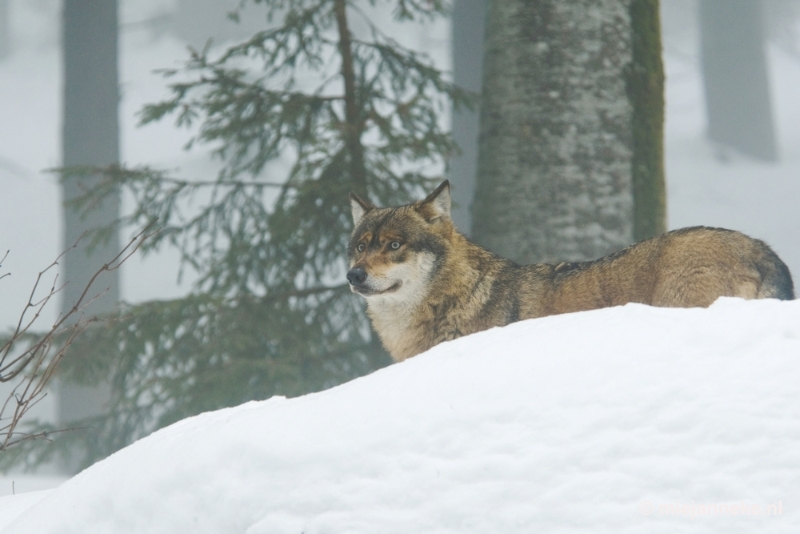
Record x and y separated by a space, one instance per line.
438 286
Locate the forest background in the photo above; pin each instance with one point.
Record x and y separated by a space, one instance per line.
707 183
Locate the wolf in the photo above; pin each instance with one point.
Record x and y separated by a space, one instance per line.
426 283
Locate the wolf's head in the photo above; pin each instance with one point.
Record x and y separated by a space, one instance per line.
395 252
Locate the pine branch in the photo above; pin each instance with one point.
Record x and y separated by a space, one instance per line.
299 115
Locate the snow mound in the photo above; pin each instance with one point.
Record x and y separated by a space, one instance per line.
629 419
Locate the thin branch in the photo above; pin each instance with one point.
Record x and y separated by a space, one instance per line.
1 264
215 183
37 364
39 435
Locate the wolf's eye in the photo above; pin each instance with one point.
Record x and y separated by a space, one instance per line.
395 244
361 247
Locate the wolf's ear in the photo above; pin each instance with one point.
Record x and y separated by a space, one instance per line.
359 207
437 204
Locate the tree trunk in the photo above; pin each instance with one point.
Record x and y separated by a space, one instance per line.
90 138
468 29
646 94
5 30
352 104
735 77
563 101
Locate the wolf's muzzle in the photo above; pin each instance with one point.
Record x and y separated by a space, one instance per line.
356 276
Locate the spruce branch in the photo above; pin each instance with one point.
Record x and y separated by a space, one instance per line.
311 107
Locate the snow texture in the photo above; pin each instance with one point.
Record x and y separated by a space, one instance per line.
627 419
12 507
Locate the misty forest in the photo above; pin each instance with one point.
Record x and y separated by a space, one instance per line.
183 168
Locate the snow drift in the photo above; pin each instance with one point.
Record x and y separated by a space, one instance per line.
629 419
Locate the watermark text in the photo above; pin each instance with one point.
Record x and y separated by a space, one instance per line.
697 509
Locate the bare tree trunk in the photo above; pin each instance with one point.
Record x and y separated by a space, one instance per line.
557 154
352 104
468 29
646 93
5 30
735 77
90 138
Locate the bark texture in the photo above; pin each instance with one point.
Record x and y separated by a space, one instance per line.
555 172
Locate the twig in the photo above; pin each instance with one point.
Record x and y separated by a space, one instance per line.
1 264
38 362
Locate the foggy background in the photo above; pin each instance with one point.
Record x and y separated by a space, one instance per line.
708 182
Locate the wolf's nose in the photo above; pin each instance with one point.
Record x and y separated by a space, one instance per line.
356 276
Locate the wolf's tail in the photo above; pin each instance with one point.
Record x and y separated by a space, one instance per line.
776 280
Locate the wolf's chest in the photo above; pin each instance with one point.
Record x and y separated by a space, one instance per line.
406 331
398 328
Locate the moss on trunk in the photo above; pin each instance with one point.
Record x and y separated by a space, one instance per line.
646 93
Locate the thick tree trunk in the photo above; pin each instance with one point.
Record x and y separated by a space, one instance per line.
90 138
735 77
468 29
561 98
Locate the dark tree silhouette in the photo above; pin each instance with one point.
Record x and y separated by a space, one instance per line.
90 138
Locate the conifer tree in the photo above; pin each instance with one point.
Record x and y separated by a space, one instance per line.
271 313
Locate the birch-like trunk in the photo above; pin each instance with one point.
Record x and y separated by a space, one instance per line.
562 98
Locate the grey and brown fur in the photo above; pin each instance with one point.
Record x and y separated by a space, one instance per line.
426 283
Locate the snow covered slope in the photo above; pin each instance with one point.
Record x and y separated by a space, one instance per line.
630 419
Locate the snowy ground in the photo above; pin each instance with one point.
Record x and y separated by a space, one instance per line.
627 419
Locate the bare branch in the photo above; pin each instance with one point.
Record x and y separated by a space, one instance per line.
1 264
36 364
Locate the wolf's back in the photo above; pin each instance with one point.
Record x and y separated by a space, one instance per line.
426 283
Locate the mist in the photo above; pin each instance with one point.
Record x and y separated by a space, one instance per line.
714 178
